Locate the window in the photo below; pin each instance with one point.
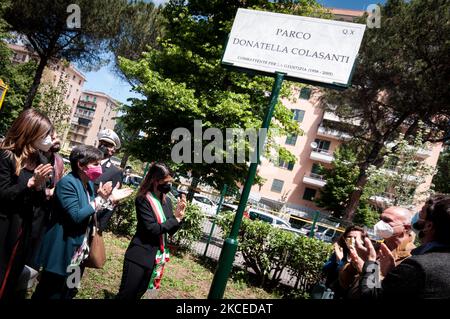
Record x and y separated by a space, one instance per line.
277 186
95 99
291 139
322 145
287 165
315 168
24 57
79 82
87 97
309 194
305 93
298 115
73 77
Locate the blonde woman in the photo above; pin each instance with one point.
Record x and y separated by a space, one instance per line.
22 190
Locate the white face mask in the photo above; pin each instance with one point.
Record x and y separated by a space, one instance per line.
383 230
44 144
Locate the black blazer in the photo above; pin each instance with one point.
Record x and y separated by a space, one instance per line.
109 173
17 206
113 174
145 243
425 276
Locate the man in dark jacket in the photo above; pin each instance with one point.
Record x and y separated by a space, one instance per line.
108 143
425 275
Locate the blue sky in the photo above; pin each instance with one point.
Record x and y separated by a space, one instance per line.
104 80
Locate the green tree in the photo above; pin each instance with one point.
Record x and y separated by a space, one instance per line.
52 103
141 24
42 26
183 81
402 172
18 77
441 180
401 78
341 178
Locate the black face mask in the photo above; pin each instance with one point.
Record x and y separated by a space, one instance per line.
164 188
104 150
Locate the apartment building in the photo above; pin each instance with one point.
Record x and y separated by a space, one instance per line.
95 111
57 70
90 111
296 185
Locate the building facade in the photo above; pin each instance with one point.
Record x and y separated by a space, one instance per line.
90 111
296 185
95 111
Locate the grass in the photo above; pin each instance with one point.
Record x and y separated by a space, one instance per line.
184 277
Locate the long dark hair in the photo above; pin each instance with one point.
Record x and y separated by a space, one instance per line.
341 240
156 173
29 127
438 212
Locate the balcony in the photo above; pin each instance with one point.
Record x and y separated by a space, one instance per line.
330 116
383 199
73 131
326 132
421 152
84 116
321 155
314 179
83 123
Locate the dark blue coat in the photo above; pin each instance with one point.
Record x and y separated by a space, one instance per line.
69 222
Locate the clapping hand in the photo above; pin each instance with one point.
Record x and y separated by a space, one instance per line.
368 253
387 260
120 194
181 207
338 251
41 174
104 190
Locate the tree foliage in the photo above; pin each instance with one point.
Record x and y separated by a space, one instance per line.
268 251
401 78
183 81
52 103
441 180
18 77
42 26
402 172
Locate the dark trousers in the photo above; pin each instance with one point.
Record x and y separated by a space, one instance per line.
135 280
53 286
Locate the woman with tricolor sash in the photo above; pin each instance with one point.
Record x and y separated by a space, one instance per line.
148 253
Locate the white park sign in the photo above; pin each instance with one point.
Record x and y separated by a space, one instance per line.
306 48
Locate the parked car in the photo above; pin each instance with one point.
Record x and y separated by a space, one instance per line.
320 232
206 205
226 207
275 221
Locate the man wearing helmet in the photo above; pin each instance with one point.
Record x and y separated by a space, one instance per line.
108 143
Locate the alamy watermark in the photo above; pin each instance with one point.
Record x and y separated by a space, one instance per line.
233 148
73 21
374 16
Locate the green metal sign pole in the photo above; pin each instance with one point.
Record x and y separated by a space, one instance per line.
313 226
230 245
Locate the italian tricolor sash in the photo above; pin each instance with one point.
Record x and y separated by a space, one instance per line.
162 255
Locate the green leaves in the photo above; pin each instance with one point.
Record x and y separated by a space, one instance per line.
182 79
268 251
192 229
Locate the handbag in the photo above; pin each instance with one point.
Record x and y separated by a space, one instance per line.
97 254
